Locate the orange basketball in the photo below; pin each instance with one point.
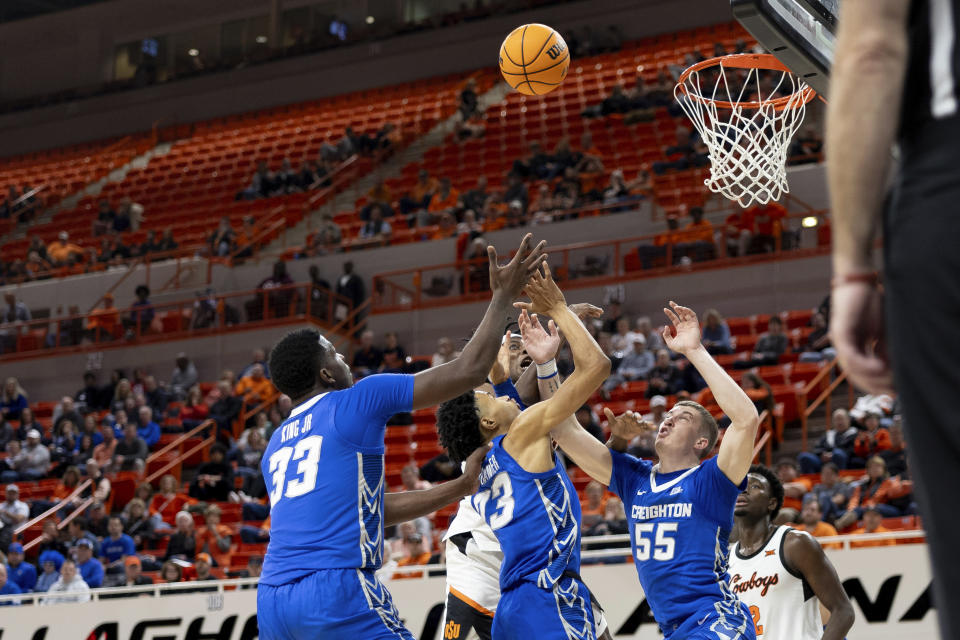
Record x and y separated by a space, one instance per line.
534 59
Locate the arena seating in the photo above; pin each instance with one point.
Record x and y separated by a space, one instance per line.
191 187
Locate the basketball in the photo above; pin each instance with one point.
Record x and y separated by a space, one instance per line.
534 59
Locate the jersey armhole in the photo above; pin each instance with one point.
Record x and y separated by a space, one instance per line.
336 431
783 554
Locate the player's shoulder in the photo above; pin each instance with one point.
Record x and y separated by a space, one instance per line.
627 466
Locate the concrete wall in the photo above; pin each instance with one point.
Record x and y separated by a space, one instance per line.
75 48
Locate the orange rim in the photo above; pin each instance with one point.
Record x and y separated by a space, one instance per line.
746 61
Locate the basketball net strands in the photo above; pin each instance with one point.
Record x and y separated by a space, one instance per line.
746 108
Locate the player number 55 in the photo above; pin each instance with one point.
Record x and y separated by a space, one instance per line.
663 543
307 451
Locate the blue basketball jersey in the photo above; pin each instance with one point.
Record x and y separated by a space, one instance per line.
323 468
680 523
535 516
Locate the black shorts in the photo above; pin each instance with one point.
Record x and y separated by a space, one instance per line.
462 617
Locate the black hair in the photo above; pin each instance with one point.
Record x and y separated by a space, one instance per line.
81 522
776 487
293 362
218 447
458 426
832 466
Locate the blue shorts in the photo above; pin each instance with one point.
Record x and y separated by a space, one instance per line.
723 621
527 611
334 604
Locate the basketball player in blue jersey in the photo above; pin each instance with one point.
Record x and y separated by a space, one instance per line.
681 510
324 473
525 495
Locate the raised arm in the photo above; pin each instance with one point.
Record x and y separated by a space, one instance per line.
591 365
408 505
736 450
469 369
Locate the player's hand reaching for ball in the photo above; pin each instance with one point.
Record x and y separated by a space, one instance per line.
545 295
501 366
687 327
471 470
627 425
511 278
541 344
584 310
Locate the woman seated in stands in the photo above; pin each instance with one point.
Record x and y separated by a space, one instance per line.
876 490
167 502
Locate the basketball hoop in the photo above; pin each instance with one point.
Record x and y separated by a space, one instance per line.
747 108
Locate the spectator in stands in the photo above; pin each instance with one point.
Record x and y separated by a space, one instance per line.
100 486
394 356
872 519
90 397
697 238
376 228
836 445
214 479
97 521
13 512
102 322
420 195
225 410
873 441
103 453
89 567
22 574
121 392
223 240
257 357
168 501
183 541
7 433
195 410
475 198
254 388
13 400
738 231
256 535
516 191
202 565
50 563
149 245
130 453
63 446
122 221
794 488
758 390
59 250
368 358
147 428
875 490
379 195
138 524
214 538
70 581
327 238
445 352
32 463
65 411
805 147
444 200
811 521
184 376
831 492
614 520
262 184
896 455
105 218
133 573
171 572
89 428
817 347
141 312
53 540
768 221
635 365
664 377
769 347
594 508
116 547
469 102
274 295
716 333
167 243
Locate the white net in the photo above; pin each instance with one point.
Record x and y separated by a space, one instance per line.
746 117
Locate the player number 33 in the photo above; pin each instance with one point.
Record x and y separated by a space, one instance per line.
661 537
307 454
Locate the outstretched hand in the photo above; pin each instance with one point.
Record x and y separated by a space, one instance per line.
471 470
541 344
501 366
627 425
545 295
687 327
584 310
512 277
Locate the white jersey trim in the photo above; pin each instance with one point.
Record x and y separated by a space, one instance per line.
663 487
303 406
942 41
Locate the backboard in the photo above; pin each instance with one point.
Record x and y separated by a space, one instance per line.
800 33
